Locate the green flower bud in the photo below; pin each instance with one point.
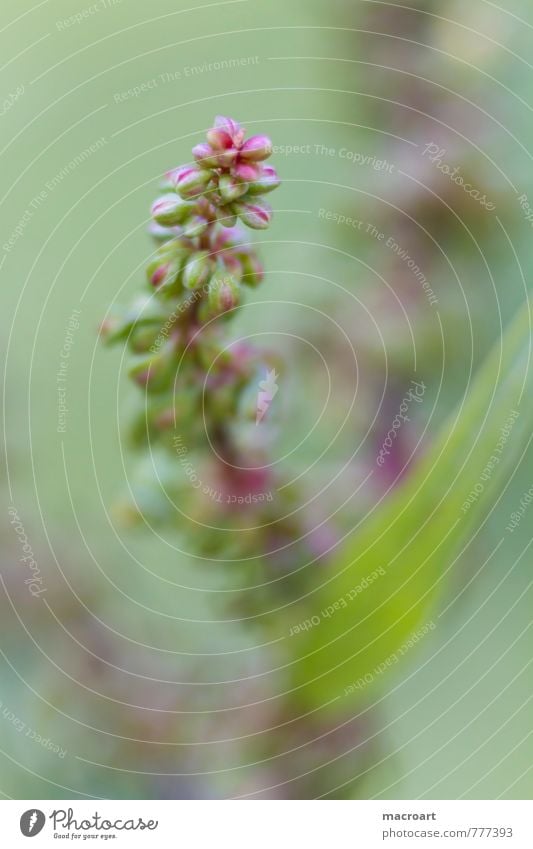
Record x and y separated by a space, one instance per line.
159 233
195 227
266 182
171 210
224 294
176 411
142 337
156 272
155 373
252 270
165 278
256 214
191 182
226 216
205 155
230 189
197 270
223 403
144 311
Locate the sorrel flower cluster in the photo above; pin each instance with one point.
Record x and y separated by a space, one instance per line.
196 385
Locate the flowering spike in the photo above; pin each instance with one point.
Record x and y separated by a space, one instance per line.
202 262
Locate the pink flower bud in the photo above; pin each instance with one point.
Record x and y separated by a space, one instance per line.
205 155
157 274
227 158
231 128
171 210
191 181
255 149
163 274
248 172
227 238
219 139
267 182
256 215
224 294
228 298
232 263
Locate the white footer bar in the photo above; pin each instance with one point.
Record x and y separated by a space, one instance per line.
268 824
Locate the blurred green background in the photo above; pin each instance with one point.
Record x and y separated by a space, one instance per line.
131 663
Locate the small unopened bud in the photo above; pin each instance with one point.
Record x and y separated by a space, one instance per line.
198 270
226 158
255 149
165 275
142 337
231 127
156 272
229 238
266 182
256 214
205 155
252 270
248 172
224 294
219 139
171 210
167 184
160 233
149 373
232 263
195 226
230 189
191 182
227 216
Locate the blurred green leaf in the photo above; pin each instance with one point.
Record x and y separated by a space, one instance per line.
412 539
